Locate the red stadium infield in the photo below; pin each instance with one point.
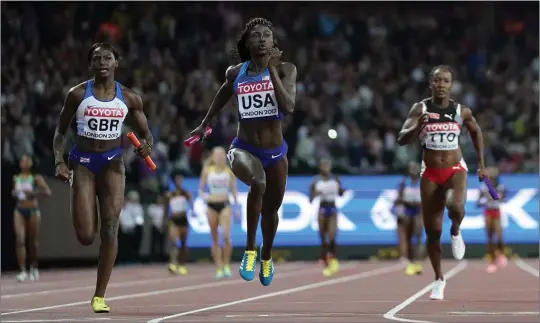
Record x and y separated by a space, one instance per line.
361 292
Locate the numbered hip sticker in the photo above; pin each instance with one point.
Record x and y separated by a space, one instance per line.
230 156
70 178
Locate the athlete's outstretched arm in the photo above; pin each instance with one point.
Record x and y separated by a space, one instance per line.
234 190
401 191
412 126
284 88
165 222
202 181
482 196
42 187
135 106
222 96
71 103
189 197
312 192
477 138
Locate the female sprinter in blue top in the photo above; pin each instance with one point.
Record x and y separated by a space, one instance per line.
409 212
328 187
95 165
265 89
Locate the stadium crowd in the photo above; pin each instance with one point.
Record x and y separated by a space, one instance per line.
360 69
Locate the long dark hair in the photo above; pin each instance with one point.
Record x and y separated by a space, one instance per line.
242 52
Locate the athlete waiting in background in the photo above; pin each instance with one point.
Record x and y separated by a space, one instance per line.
177 202
492 216
410 219
327 186
26 216
220 180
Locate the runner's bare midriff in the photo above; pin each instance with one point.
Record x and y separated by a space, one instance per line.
28 204
442 158
265 134
88 145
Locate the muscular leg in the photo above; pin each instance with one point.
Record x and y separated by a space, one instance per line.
33 238
271 202
249 170
323 232
20 239
174 238
110 191
489 232
456 206
418 226
497 230
332 232
409 233
83 204
433 203
225 219
213 222
402 236
183 255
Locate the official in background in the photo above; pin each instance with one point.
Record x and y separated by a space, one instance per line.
131 228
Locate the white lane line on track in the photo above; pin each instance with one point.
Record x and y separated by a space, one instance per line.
294 273
335 281
391 314
129 283
526 267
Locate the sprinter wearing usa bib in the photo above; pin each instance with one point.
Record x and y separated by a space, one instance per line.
265 90
95 166
437 122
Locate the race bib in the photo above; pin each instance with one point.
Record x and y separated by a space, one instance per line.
256 100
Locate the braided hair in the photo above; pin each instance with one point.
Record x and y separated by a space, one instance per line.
106 46
242 52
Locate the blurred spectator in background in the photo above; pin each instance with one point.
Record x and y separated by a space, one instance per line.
156 213
131 228
360 70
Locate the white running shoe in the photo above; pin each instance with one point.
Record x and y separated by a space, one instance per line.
458 247
437 292
34 274
22 276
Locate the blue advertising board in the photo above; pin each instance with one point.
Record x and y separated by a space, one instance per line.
365 216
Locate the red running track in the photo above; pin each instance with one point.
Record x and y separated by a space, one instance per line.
361 292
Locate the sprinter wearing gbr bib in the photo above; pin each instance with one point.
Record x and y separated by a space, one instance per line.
96 168
265 89
437 122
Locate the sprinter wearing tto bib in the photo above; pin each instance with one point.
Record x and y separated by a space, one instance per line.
265 89
327 187
176 205
220 181
27 218
492 216
95 165
437 122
